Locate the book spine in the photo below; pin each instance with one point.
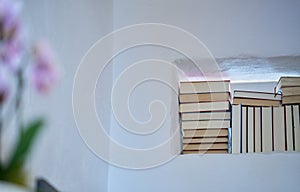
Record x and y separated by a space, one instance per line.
279 133
296 127
267 129
236 118
244 130
289 128
257 129
207 124
250 130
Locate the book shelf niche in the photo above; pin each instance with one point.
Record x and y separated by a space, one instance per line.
214 120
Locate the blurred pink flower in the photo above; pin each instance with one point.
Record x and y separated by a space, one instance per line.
11 47
44 70
9 19
4 86
11 54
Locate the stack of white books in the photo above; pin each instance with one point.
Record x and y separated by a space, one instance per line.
205 116
289 87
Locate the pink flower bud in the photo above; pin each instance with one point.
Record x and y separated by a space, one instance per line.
11 46
11 54
44 69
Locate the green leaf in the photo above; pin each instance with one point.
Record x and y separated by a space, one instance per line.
23 147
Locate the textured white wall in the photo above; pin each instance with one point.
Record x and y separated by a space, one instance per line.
61 155
260 172
228 28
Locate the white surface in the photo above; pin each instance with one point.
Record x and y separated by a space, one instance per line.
212 173
60 155
228 28
8 187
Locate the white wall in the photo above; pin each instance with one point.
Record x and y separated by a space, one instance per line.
61 156
228 28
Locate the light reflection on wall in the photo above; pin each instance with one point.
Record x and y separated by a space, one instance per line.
245 69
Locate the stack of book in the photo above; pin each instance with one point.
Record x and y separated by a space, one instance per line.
253 98
205 116
257 122
261 124
289 87
265 129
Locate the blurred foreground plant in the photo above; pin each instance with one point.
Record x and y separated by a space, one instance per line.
20 66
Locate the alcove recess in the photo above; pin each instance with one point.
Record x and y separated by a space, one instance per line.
247 68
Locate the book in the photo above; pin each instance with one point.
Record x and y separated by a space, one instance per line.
296 114
257 129
205 124
294 99
206 106
244 129
206 116
267 142
236 129
287 82
289 91
255 102
279 133
205 133
289 136
204 97
256 95
204 86
205 140
217 151
250 130
205 146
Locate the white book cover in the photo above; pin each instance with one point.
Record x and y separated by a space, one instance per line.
205 146
206 106
279 132
289 127
257 129
204 87
189 133
257 95
244 130
205 124
250 130
205 116
267 129
236 127
288 91
206 140
287 82
296 127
